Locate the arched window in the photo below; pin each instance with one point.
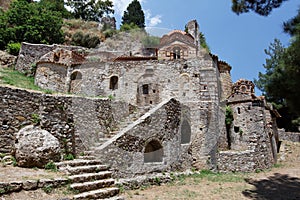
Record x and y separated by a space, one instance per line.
185 132
113 84
76 75
176 53
153 152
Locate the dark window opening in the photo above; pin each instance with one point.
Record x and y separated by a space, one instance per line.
150 102
249 107
146 89
56 57
153 152
113 84
76 76
185 132
154 91
236 129
4 122
185 66
239 110
176 53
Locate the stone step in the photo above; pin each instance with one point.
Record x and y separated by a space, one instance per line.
80 178
87 157
115 198
84 169
92 185
77 162
98 194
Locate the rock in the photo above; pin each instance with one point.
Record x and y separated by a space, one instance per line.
30 185
7 60
8 160
36 147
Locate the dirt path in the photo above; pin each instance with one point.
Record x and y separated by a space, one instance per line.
279 183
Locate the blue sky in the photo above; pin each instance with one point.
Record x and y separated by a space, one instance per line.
238 40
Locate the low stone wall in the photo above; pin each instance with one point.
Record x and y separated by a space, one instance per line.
16 186
289 136
232 161
77 122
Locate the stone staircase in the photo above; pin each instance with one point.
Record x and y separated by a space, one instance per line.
123 124
90 179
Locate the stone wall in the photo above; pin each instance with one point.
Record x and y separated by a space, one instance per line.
289 136
128 154
31 53
76 121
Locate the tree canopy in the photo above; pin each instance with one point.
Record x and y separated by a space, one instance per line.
30 22
281 83
90 10
261 7
134 14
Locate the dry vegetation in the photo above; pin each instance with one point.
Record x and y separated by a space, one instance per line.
72 26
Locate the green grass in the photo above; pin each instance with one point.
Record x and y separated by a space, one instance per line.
15 78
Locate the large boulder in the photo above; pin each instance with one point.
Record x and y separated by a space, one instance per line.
7 60
35 147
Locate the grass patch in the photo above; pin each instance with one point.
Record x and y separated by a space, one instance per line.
15 78
218 177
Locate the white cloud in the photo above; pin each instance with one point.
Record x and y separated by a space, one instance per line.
152 21
121 5
155 20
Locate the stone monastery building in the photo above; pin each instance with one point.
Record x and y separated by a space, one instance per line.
168 109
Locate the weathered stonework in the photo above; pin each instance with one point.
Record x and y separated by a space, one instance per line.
168 111
75 121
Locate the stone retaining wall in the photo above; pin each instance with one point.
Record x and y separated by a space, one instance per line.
16 186
77 122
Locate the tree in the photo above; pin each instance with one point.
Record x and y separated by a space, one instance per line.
90 10
30 22
281 84
56 5
261 7
292 26
134 14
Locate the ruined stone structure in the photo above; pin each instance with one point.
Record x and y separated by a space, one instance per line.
168 111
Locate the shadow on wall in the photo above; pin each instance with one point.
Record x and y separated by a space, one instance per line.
276 187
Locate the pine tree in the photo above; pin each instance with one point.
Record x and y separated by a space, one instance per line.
134 14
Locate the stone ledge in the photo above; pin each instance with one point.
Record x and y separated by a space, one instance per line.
16 186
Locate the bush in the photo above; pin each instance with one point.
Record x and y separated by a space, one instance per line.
69 157
88 40
14 48
51 166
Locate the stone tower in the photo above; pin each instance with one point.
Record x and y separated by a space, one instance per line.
225 77
192 28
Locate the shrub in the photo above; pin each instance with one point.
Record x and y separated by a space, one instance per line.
69 157
51 166
14 48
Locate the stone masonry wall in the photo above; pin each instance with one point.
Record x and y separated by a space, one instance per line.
76 121
31 53
251 141
125 154
289 136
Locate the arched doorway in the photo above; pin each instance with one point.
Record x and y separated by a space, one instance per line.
76 78
113 83
153 152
